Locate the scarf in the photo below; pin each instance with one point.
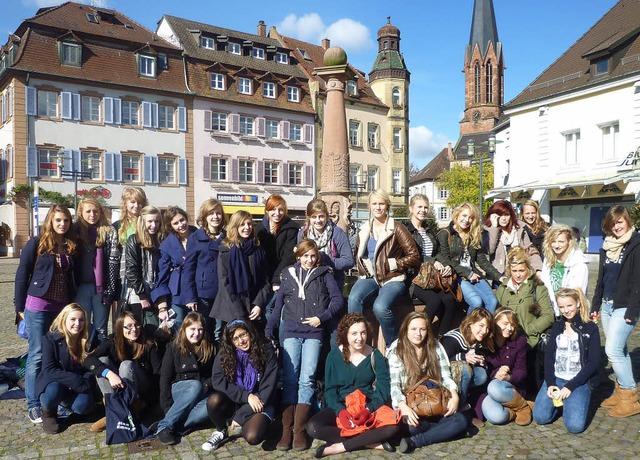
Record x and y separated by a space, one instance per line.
246 374
509 239
241 279
98 266
613 246
323 240
301 280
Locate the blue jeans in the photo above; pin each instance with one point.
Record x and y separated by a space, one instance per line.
617 332
97 313
366 289
189 406
445 429
479 294
467 381
38 323
574 408
498 393
299 365
129 370
56 393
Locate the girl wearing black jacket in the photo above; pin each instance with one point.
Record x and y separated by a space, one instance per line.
244 382
63 379
185 379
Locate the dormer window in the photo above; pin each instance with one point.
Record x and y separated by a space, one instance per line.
282 58
304 53
269 89
352 88
234 48
147 65
217 81
207 42
601 66
163 61
244 85
293 94
258 53
70 54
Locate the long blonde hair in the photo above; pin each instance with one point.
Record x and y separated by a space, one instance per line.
578 296
550 257
539 225
75 345
237 219
146 239
473 236
126 221
82 226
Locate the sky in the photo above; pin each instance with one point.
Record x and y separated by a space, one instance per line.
434 34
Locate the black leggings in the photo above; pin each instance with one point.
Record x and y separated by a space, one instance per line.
437 303
220 408
323 426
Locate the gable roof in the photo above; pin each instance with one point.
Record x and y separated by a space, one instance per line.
616 36
439 164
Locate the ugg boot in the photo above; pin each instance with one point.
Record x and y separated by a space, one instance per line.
99 426
521 408
627 406
287 428
614 399
50 421
300 440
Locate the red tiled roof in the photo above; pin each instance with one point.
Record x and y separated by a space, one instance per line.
434 168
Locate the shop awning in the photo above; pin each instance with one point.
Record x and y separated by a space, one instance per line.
253 210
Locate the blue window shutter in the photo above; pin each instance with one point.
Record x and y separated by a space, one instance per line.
146 114
308 134
107 108
154 115
235 170
32 103
308 176
75 106
148 169
67 109
109 167
117 167
77 158
156 172
261 126
284 130
3 166
207 120
182 118
32 162
182 171
117 111
206 169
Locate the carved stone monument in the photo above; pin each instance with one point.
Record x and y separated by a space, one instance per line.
334 179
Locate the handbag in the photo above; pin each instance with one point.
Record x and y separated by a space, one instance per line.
427 398
431 279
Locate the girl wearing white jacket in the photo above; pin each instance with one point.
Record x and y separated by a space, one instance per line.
565 266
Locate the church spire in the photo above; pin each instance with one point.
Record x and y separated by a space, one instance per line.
484 31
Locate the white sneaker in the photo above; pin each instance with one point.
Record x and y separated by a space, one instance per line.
214 441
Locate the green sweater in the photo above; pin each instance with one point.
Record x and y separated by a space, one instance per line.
342 379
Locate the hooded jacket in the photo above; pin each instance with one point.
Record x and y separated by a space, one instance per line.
576 275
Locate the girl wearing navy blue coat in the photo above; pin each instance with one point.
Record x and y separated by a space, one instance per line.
44 285
201 265
171 280
63 379
308 299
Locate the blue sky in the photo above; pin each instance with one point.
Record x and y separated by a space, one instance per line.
433 32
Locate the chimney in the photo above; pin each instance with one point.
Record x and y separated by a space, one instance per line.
450 152
262 29
326 43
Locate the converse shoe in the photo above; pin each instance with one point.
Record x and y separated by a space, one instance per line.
35 414
217 437
64 412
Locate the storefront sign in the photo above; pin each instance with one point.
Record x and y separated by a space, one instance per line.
631 161
238 198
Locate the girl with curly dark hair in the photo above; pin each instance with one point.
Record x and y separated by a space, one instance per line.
354 365
244 382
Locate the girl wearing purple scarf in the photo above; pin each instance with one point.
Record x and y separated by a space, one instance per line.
95 283
244 382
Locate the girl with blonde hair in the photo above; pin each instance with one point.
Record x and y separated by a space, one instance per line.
535 225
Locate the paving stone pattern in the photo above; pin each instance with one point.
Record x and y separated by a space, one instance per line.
606 437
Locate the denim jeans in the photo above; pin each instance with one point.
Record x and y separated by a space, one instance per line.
38 323
366 289
498 393
97 313
617 332
299 364
55 393
467 381
478 294
189 406
574 408
129 370
430 432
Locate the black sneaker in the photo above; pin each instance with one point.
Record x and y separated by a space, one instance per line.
35 415
167 437
214 441
406 446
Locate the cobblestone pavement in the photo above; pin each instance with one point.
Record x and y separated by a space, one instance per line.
606 437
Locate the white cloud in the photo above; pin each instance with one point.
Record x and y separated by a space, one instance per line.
424 145
347 33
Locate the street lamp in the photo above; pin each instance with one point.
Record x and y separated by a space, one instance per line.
75 175
471 150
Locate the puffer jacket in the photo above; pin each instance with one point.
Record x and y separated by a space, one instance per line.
395 253
451 249
497 251
532 306
576 275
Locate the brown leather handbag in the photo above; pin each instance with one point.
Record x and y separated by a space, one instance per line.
430 278
427 398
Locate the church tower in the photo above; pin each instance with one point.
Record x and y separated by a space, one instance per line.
483 72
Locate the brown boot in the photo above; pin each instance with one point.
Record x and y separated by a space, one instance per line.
287 428
50 421
627 406
99 426
614 399
521 409
300 440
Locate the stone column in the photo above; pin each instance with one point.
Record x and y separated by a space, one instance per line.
334 158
